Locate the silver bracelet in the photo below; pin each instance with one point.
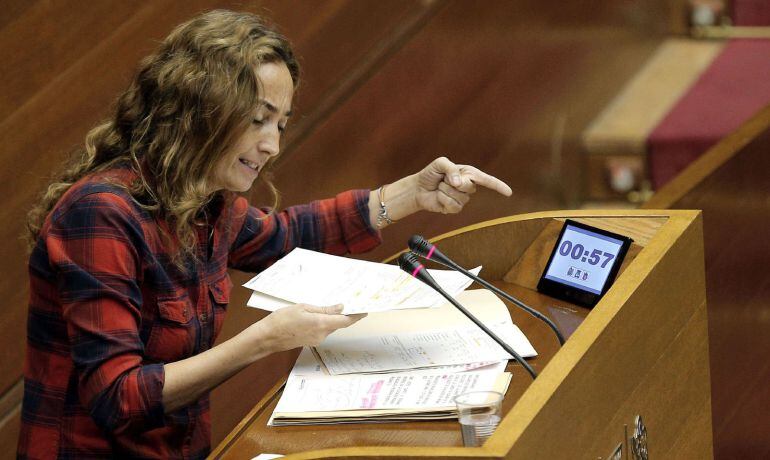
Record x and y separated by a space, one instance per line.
382 215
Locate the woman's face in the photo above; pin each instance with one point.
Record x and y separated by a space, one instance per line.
261 141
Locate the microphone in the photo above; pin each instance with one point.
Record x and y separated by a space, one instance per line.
423 248
410 264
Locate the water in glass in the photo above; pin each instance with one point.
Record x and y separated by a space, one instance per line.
477 428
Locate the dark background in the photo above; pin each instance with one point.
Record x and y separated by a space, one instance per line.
387 86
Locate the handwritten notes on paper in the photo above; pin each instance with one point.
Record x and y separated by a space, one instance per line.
432 347
315 278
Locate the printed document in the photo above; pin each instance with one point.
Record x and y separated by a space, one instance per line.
399 339
414 350
386 391
315 278
308 364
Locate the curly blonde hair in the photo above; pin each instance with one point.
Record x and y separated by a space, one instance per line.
187 104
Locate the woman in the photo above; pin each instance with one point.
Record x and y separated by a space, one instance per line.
131 246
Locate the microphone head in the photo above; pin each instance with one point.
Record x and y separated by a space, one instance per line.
411 264
408 262
428 250
419 245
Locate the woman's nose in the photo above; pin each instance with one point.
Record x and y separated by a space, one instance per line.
270 143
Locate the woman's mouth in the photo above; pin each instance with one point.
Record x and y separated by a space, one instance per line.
250 164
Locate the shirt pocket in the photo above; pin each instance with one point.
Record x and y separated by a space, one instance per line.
173 332
220 297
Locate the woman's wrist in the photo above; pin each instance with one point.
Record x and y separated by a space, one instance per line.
259 342
393 202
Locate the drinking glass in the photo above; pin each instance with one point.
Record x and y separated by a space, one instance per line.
478 412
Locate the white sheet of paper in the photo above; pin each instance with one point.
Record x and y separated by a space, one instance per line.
307 364
314 278
428 348
266 302
497 366
385 391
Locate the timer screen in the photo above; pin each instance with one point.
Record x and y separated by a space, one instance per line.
586 259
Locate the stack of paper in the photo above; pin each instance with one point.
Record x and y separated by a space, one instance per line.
401 365
402 396
314 278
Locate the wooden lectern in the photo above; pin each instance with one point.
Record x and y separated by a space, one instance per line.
642 351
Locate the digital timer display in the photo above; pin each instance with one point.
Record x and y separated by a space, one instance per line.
583 263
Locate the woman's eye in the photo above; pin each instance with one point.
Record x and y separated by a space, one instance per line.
258 121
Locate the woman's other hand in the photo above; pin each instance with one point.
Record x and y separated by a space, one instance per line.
302 325
285 329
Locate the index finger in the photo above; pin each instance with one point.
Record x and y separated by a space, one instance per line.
491 182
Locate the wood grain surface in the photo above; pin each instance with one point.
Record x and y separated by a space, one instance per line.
386 87
730 184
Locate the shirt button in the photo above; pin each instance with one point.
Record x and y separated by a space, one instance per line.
204 317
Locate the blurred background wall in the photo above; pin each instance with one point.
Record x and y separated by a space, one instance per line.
509 86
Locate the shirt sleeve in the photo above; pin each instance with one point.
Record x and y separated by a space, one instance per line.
337 226
93 249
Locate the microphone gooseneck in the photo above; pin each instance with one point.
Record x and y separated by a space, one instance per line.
411 264
423 248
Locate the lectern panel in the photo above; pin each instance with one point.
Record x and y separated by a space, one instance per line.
647 332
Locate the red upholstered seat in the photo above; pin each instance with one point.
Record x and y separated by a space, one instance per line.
734 87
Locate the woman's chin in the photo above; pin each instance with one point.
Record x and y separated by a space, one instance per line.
243 188
239 187
248 185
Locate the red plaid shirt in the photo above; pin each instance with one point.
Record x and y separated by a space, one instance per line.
108 308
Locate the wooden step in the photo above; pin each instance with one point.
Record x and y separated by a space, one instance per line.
615 142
